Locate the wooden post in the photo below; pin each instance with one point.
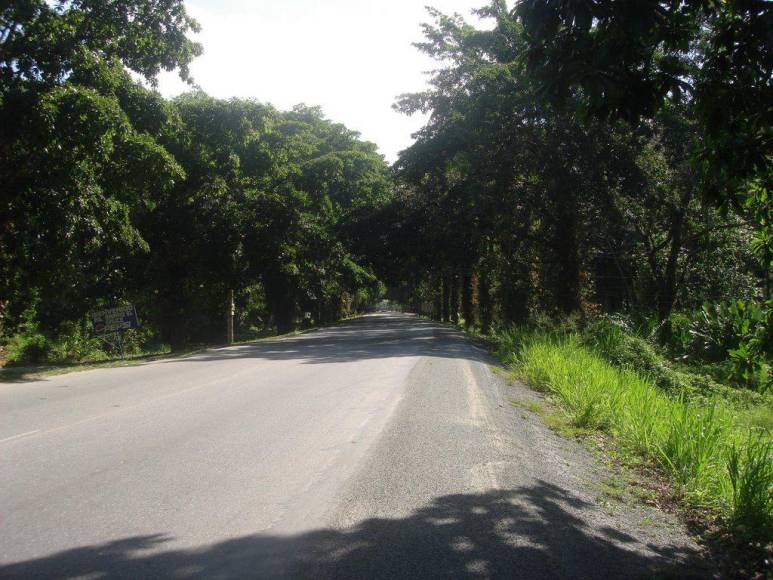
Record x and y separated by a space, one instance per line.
230 317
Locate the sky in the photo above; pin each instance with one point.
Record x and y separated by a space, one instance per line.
351 57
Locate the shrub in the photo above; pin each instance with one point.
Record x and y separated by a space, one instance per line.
740 332
615 342
29 346
74 343
718 328
679 337
613 339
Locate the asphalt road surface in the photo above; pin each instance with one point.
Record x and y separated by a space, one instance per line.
383 447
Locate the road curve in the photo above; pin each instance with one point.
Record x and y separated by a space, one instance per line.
383 447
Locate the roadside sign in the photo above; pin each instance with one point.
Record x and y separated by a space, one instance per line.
115 319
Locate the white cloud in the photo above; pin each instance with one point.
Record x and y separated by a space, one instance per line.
351 57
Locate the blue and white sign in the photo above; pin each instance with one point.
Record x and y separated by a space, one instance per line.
114 319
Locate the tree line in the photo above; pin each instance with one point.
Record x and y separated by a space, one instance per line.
579 159
595 158
592 189
113 193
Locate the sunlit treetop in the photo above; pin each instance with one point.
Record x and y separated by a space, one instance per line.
45 41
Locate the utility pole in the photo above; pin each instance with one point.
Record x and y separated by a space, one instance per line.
230 311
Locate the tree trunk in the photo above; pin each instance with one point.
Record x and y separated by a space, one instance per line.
567 291
176 335
455 297
467 314
667 286
280 301
437 296
173 319
484 302
229 318
446 309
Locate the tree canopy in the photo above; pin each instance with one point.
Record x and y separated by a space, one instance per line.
579 159
113 193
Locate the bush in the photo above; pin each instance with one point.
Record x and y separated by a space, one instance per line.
73 343
615 342
739 332
612 338
679 337
28 347
28 344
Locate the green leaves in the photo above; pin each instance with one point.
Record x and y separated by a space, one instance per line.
269 198
627 60
79 157
46 42
742 332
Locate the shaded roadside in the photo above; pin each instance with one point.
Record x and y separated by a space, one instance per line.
23 373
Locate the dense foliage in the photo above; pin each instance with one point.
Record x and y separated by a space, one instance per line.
604 163
571 164
593 189
114 194
532 190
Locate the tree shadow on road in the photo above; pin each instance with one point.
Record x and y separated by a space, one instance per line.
368 337
531 532
365 337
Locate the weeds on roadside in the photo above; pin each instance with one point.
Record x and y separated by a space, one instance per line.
699 443
750 469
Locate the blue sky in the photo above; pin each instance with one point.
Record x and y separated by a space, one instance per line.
351 57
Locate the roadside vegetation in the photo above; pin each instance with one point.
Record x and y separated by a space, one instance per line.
113 194
592 188
713 444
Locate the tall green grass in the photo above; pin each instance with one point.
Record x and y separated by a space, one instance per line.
711 457
751 473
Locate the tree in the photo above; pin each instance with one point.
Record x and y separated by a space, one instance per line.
78 150
42 43
628 59
555 209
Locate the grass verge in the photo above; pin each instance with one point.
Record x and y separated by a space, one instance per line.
716 460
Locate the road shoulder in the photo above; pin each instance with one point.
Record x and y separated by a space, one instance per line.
493 490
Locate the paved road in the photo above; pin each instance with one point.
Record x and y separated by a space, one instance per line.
384 447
